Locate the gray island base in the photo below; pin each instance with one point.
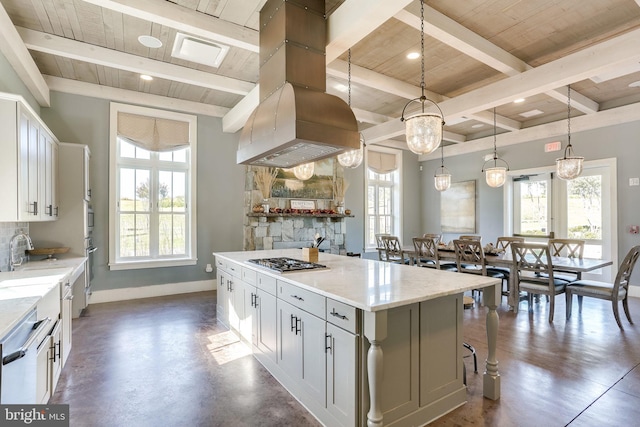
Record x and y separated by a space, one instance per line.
362 342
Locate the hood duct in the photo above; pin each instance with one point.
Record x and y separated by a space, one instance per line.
296 122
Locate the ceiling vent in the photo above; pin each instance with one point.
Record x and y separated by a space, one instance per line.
198 50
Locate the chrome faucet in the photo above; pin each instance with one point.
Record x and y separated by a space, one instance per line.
13 263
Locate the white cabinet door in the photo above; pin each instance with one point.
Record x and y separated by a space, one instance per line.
48 175
302 349
235 302
43 372
55 357
266 317
314 366
245 296
222 299
66 313
290 344
28 184
341 375
85 175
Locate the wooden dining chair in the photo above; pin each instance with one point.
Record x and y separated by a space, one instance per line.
393 250
571 248
470 259
438 237
471 237
426 254
380 246
535 273
503 243
614 292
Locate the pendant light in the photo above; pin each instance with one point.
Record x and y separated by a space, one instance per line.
495 175
424 129
304 171
442 177
570 166
352 158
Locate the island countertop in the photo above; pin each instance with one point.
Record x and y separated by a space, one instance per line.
370 285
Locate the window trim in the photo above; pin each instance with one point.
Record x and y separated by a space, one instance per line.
192 257
397 195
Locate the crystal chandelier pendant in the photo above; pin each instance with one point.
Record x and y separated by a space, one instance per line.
424 132
496 176
442 181
352 158
569 168
304 171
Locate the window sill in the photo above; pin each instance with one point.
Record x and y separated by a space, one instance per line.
137 265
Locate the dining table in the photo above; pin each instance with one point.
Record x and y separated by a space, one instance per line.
504 259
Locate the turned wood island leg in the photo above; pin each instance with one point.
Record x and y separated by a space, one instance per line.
491 379
375 330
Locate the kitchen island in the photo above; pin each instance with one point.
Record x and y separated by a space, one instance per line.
361 342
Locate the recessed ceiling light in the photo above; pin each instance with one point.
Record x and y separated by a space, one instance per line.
635 84
477 125
146 77
531 113
150 41
413 55
518 101
341 87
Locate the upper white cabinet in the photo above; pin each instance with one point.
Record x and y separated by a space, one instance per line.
29 164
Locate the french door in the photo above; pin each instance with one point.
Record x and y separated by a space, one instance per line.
540 205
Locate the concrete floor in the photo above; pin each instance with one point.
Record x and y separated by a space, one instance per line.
167 362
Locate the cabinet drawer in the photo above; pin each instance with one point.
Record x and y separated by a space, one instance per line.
234 269
249 276
221 264
301 298
341 315
267 284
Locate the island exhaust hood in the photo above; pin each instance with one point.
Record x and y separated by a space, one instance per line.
296 122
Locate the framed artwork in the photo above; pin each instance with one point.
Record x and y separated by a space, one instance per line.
319 186
458 208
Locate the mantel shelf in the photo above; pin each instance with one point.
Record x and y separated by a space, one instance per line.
299 215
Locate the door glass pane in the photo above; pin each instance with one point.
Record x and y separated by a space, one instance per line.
533 201
584 220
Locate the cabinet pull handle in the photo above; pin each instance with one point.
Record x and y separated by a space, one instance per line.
334 313
328 342
48 210
297 297
58 350
230 285
255 301
56 214
35 208
298 328
89 192
293 325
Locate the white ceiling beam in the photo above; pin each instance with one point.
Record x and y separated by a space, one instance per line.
353 20
448 31
186 20
615 116
59 46
18 56
235 119
132 97
578 66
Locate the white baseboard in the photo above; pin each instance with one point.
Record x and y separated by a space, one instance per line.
111 295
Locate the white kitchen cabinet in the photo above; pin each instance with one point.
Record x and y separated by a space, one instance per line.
28 166
55 355
222 298
302 349
265 324
66 314
43 371
342 353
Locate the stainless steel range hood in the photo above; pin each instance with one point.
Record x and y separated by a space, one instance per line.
296 122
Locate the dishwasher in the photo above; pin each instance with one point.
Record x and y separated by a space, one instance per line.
18 368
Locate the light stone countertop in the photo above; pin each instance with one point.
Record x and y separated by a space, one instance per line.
370 285
21 290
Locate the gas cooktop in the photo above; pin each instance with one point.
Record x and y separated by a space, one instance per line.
286 265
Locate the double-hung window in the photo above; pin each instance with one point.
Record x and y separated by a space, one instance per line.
383 193
152 188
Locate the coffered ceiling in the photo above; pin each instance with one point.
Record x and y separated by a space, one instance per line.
479 55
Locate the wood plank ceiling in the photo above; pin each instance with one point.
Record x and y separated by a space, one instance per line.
479 55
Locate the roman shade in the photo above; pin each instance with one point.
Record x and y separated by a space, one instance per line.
153 133
381 162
